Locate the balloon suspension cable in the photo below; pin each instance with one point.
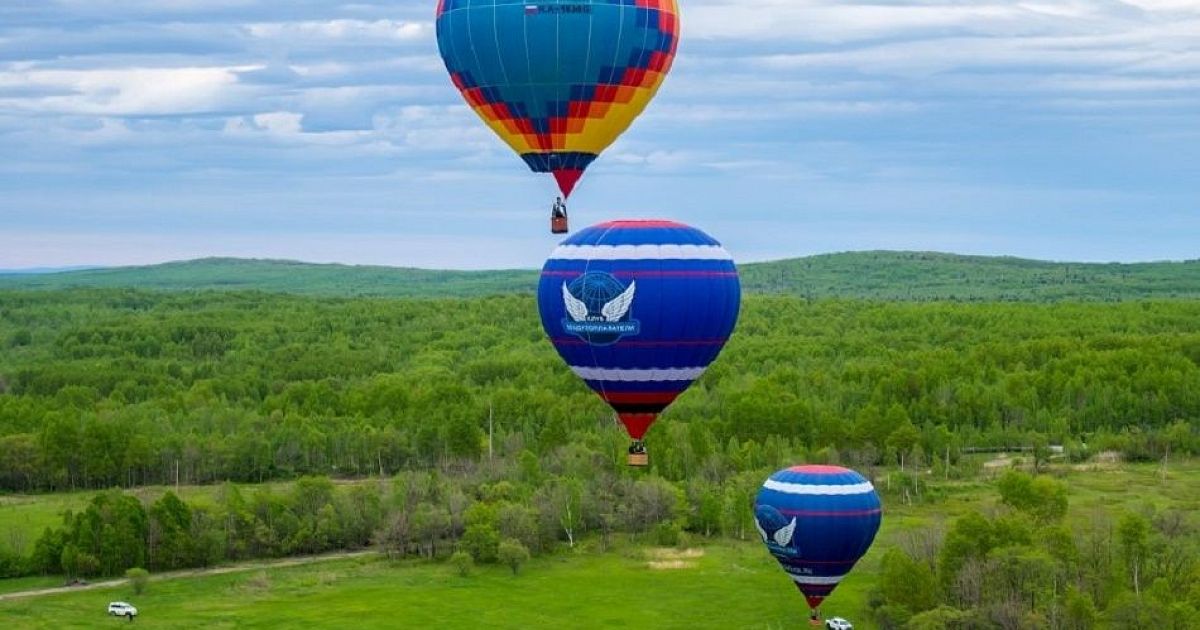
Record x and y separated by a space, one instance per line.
637 446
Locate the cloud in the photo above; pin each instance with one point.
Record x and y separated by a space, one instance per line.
172 111
354 31
126 91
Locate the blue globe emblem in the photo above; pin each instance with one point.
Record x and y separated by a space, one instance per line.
599 309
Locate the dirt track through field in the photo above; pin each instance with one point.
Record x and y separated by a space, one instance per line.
173 575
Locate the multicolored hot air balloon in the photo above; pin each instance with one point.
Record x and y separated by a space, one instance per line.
558 80
639 309
817 521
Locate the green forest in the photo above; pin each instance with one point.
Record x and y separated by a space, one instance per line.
484 448
125 387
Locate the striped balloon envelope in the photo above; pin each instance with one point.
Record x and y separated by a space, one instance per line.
638 310
817 521
558 80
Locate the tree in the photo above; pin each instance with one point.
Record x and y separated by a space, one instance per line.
941 618
518 522
905 582
482 541
138 579
513 554
1133 534
904 436
430 524
169 534
1079 613
1041 497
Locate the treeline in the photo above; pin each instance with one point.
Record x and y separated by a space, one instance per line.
875 275
103 388
528 503
1026 567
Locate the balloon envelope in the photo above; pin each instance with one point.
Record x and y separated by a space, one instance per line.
638 310
558 80
817 521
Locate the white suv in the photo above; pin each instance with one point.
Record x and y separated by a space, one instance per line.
837 623
122 609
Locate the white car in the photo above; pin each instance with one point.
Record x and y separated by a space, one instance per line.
837 623
122 609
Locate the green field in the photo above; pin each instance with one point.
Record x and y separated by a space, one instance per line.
879 275
719 584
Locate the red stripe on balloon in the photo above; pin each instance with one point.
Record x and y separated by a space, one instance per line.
831 513
576 341
817 469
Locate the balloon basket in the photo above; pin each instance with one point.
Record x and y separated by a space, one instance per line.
558 225
639 460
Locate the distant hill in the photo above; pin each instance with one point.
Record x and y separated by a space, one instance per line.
282 276
923 276
884 275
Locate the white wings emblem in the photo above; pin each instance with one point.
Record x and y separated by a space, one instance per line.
619 306
783 537
575 306
761 532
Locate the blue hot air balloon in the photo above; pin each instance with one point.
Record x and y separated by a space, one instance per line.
817 521
638 310
558 80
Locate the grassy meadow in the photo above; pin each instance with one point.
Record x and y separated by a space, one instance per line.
711 584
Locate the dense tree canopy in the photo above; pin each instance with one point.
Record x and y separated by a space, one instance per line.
120 387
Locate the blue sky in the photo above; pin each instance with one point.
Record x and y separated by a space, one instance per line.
139 131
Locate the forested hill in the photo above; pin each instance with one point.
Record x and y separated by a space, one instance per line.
282 276
924 276
916 276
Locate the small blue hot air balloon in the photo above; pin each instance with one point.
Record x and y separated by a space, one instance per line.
638 310
817 521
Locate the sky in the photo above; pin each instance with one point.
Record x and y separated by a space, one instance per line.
142 131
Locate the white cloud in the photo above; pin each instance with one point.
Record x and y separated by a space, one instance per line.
343 29
126 91
832 22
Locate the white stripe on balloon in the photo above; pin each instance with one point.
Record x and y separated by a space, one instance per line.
821 490
640 252
816 580
630 375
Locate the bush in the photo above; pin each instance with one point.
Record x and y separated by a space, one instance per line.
481 541
463 563
11 564
666 534
513 554
138 579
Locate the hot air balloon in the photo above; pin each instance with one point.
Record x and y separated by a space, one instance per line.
638 310
558 80
817 521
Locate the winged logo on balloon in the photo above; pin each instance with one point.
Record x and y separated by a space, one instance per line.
779 538
598 308
612 311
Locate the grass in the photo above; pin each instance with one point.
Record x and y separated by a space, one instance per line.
732 585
